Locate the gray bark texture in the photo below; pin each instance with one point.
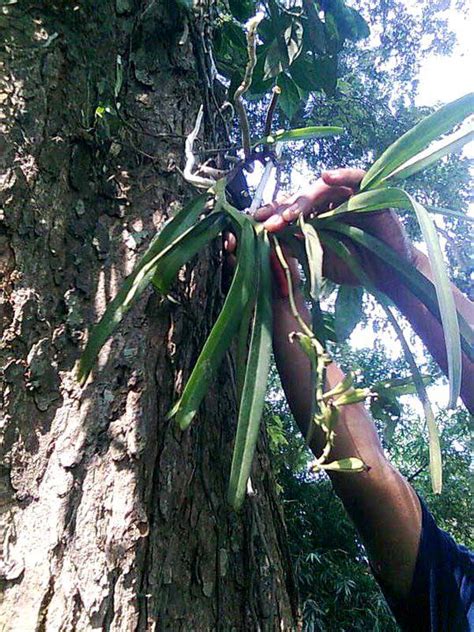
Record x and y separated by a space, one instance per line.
111 518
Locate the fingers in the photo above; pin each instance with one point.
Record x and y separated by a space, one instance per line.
264 212
333 188
350 177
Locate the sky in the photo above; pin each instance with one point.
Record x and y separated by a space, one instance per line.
444 79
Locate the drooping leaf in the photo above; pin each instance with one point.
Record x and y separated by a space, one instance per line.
184 219
314 253
435 454
417 139
348 310
436 469
167 268
243 340
255 384
447 306
136 283
412 278
222 332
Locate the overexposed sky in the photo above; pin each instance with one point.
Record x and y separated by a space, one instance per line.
443 79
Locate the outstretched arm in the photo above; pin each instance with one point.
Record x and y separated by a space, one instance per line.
381 503
331 189
384 507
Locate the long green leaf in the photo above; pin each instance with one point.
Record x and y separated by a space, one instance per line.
427 157
436 468
222 332
167 268
447 306
314 254
419 137
187 217
184 219
253 393
243 340
137 281
303 133
377 199
416 282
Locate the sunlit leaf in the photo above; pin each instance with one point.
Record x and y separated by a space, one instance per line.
435 455
255 384
429 156
412 278
436 469
418 138
447 306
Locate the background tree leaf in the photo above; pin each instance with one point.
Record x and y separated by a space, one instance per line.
348 310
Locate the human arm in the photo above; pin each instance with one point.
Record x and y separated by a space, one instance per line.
384 507
381 503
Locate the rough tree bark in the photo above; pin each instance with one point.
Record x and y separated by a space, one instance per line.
111 518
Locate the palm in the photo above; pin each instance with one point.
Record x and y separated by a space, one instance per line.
332 189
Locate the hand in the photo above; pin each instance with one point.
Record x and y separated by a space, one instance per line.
333 188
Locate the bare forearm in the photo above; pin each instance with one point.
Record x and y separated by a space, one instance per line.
430 330
382 504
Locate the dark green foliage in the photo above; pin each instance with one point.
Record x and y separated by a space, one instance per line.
297 49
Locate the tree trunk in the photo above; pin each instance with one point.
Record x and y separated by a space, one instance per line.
111 517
